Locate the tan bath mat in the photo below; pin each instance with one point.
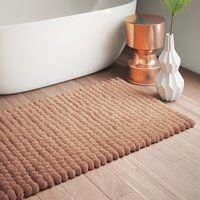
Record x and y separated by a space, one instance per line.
53 140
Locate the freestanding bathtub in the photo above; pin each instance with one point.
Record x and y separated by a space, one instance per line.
50 41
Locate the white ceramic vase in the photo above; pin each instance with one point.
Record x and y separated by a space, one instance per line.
169 81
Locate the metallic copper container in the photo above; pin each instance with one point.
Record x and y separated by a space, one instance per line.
144 33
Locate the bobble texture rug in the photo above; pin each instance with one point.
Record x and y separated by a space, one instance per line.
53 140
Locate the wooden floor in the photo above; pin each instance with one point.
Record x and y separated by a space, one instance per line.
167 170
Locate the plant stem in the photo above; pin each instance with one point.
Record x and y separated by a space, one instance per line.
172 24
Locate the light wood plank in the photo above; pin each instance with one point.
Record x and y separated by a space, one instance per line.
187 170
52 90
193 136
166 177
69 86
164 153
4 104
184 148
184 111
189 104
121 166
56 192
35 95
145 186
33 198
82 189
17 100
109 183
132 196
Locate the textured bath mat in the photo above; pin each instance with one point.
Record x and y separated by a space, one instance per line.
53 140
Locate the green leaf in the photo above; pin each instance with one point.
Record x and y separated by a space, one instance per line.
174 6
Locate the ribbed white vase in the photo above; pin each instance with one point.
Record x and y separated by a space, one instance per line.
169 81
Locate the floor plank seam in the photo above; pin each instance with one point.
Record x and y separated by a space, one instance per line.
189 110
126 183
198 129
154 179
185 157
190 182
185 137
97 187
134 189
73 198
162 161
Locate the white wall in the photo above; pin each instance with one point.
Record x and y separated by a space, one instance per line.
187 30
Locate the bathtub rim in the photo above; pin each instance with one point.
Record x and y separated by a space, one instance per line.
54 19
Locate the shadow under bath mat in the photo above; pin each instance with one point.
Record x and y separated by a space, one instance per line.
55 139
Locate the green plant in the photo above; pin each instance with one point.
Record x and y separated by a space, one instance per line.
173 7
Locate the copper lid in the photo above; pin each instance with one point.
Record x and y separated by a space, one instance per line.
145 31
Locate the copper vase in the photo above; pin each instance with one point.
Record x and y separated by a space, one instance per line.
144 33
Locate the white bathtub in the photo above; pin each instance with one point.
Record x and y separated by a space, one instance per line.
43 42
